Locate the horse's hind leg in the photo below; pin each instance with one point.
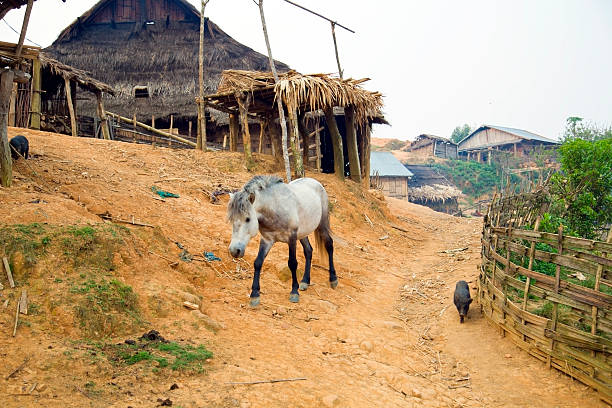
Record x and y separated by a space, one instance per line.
264 248
308 255
294 297
329 247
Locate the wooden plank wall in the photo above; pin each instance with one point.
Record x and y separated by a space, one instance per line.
551 293
124 11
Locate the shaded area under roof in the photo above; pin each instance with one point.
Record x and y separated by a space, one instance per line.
385 164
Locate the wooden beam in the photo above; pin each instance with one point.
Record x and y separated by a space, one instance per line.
6 163
365 165
152 129
243 103
73 122
234 129
24 28
305 138
104 119
351 144
36 89
295 144
336 139
262 126
317 137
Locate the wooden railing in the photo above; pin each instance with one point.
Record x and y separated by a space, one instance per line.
551 293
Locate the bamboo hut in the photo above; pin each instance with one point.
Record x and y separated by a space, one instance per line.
329 118
433 190
389 175
48 100
147 50
429 146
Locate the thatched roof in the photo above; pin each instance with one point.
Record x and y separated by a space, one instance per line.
433 193
74 74
305 92
160 54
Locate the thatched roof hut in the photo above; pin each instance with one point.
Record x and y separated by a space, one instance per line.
430 188
152 44
426 145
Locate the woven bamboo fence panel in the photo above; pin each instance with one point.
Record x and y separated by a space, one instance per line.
551 293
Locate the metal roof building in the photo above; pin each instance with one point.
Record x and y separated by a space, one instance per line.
385 164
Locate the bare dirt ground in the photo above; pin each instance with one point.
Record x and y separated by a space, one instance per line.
388 336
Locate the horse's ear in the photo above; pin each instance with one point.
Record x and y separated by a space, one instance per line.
252 198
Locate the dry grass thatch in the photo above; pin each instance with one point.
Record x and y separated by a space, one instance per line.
308 92
433 193
74 74
162 57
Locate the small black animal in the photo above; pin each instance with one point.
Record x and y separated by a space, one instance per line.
19 144
462 299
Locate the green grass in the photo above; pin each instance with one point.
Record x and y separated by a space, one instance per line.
176 356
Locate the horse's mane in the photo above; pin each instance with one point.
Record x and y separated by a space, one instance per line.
240 204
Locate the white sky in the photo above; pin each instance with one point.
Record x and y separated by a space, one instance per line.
518 63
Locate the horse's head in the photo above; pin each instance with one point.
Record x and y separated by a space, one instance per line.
242 215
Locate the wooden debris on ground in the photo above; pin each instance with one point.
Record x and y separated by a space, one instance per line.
452 251
19 368
9 274
23 302
109 217
190 305
267 381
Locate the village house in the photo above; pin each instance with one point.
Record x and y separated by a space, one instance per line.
429 146
147 51
389 175
482 144
431 189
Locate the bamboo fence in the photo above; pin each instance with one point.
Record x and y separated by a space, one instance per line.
551 293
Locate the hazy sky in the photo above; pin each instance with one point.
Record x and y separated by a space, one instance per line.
527 64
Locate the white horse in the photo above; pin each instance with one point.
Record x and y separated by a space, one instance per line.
281 212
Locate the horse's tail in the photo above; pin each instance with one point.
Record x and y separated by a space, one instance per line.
323 233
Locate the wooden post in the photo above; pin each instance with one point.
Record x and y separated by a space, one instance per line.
103 118
275 140
530 267
333 28
6 163
262 126
336 142
295 144
134 122
171 124
189 132
243 105
351 144
318 147
152 121
12 119
224 141
150 129
234 129
365 165
305 139
201 138
73 122
35 104
598 283
555 311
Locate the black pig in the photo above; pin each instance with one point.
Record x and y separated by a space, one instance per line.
462 299
19 146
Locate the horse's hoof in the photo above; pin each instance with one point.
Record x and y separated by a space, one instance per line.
254 302
294 297
303 285
333 284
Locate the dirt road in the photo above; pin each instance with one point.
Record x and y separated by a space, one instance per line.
389 336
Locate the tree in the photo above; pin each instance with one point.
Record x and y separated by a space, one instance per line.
460 133
575 128
583 189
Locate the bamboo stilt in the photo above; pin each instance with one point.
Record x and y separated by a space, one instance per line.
234 129
103 118
295 144
351 144
35 105
73 121
243 105
336 139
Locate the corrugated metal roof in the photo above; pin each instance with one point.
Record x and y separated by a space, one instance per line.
523 134
386 164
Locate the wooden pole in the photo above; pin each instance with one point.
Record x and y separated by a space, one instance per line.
171 124
189 132
201 139
336 139
318 147
281 113
104 119
234 129
261 135
36 88
151 129
555 311
6 163
365 164
351 144
12 119
305 139
134 124
333 28
598 283
243 105
73 122
298 165
24 28
152 121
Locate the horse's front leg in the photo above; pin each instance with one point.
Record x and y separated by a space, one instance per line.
294 296
308 255
264 248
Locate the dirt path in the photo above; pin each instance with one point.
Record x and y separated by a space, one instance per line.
389 336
